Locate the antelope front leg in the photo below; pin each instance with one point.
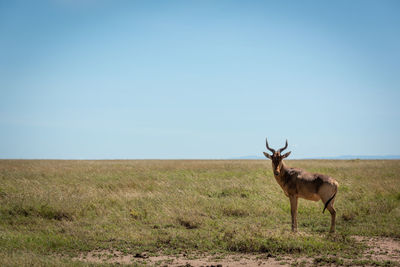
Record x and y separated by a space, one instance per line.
293 209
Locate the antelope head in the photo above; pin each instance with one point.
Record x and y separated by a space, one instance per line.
276 157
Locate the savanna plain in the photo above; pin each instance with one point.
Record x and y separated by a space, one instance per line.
174 212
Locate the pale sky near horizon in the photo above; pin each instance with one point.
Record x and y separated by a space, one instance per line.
198 79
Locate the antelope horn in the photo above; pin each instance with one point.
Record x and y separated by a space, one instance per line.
283 148
270 149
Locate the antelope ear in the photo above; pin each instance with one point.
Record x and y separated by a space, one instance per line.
267 155
286 155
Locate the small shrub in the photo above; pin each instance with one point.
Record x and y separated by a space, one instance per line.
235 212
348 216
189 223
328 260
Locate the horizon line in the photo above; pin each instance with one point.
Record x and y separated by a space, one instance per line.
342 157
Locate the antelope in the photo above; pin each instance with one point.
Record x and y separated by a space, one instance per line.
299 183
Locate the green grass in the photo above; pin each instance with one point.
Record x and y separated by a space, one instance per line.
64 208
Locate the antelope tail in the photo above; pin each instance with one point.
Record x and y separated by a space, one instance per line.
326 204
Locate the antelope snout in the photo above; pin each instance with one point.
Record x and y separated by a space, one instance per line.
276 172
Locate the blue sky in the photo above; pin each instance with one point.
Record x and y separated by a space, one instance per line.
198 79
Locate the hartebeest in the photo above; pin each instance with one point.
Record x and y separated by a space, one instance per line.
299 183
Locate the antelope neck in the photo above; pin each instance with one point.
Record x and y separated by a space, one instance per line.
282 170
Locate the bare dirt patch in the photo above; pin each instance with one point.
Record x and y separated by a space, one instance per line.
379 249
235 260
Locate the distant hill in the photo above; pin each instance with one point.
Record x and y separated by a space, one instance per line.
249 157
343 157
362 157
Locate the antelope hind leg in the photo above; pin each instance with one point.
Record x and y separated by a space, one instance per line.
333 217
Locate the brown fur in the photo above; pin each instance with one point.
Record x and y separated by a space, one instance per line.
297 183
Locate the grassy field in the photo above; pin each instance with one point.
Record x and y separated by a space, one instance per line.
52 211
